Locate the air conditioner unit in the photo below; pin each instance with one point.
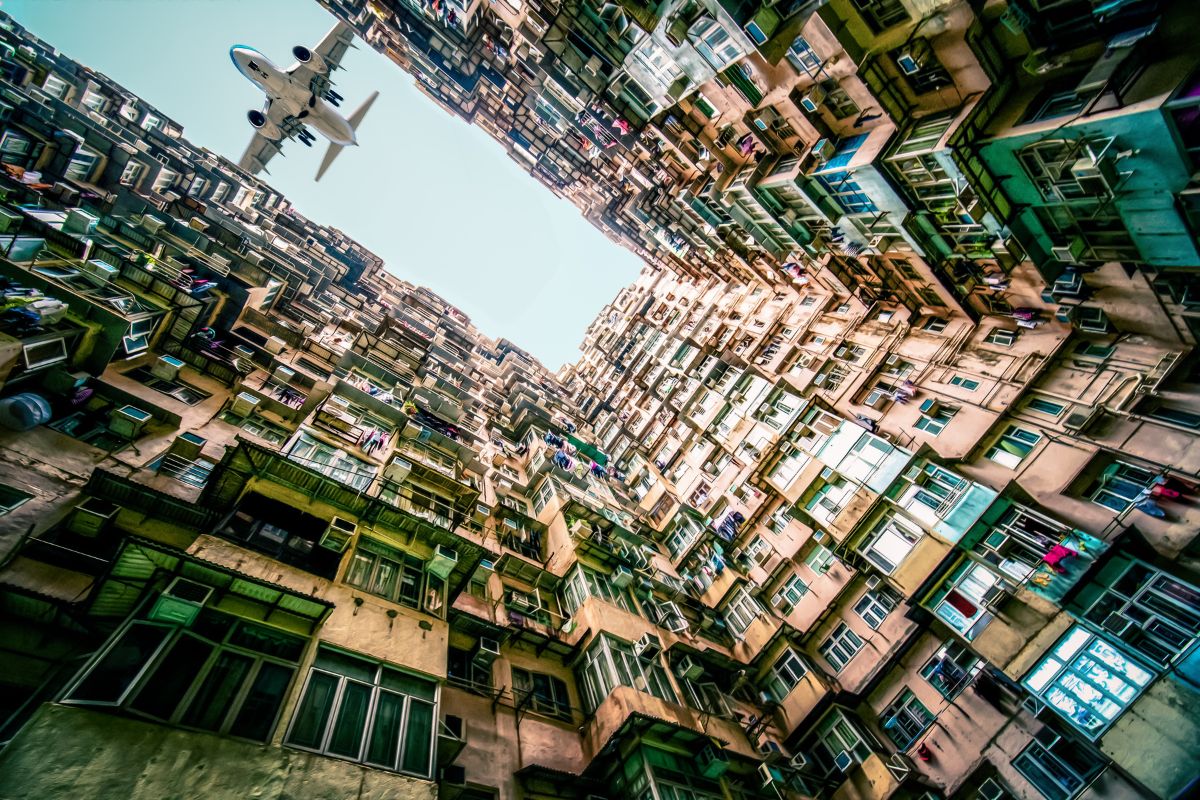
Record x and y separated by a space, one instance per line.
770 750
338 534
92 516
647 647
1117 623
187 446
153 224
1101 174
397 470
908 63
243 404
769 775
843 760
281 373
487 651
989 789
1069 253
80 222
274 345
128 421
798 761
181 602
443 561
688 667
823 150
892 360
622 577
101 271
482 512
812 99
872 581
712 761
519 601
166 367
1079 421
672 618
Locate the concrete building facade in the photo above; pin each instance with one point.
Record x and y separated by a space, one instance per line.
878 482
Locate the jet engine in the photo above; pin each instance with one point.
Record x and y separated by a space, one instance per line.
314 61
265 127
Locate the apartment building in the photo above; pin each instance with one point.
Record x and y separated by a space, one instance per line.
878 482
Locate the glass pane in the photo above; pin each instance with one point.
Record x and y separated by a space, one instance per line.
174 676
418 738
309 729
256 719
385 732
410 684
109 679
347 665
213 701
351 721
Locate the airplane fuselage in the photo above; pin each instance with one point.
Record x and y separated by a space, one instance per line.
289 97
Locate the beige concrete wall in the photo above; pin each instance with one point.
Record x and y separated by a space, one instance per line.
73 752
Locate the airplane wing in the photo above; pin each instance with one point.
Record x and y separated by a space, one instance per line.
263 148
331 48
258 153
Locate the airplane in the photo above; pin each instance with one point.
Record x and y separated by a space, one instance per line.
299 98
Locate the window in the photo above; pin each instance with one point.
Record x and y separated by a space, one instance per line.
935 422
93 100
803 57
45 353
881 14
545 494
1152 612
840 646
787 671
1054 104
964 599
741 612
964 382
610 663
838 101
820 559
55 86
332 462
1173 416
935 324
713 43
397 576
874 606
14 148
368 712
905 720
890 542
582 583
547 694
1001 337
1121 485
82 164
1087 680
1012 447
1057 767
1044 406
220 192
132 174
12 498
164 180
837 743
789 594
221 674
951 668
687 531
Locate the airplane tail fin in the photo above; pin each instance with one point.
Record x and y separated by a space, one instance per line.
354 119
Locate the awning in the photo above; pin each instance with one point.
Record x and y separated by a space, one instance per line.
589 450
142 562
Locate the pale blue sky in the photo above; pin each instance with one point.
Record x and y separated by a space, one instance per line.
437 199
